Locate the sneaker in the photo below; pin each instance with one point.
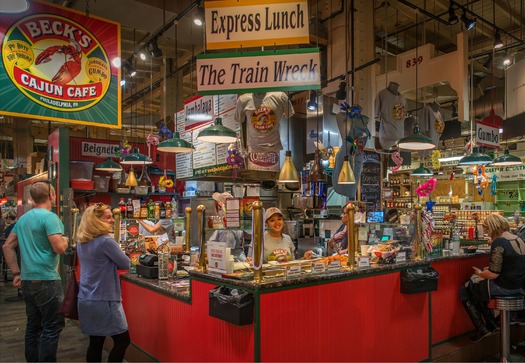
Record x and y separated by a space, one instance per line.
480 335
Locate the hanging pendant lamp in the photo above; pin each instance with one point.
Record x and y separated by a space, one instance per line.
217 133
417 141
136 158
108 165
288 172
476 158
422 171
317 171
507 159
175 145
346 176
131 181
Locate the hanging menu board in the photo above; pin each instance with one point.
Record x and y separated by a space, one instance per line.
371 181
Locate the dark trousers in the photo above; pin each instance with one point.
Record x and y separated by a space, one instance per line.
44 323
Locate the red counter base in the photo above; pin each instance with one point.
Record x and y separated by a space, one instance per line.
361 319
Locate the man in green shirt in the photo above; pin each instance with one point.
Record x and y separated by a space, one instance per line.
38 233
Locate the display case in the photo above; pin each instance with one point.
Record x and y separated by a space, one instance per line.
510 196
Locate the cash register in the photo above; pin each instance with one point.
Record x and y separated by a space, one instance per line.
148 266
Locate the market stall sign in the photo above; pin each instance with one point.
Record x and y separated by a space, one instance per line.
279 70
516 172
234 24
58 62
487 135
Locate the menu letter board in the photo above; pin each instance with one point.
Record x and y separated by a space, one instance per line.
371 181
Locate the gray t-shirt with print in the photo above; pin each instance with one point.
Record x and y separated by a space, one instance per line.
263 112
278 247
390 111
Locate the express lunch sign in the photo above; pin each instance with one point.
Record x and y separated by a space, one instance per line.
56 65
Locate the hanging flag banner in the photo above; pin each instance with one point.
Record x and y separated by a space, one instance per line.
255 23
279 70
56 66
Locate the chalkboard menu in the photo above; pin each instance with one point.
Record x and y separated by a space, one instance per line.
371 181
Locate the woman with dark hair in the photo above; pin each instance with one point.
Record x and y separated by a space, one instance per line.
505 275
100 298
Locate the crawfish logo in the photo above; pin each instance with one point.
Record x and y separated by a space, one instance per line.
263 119
71 68
56 62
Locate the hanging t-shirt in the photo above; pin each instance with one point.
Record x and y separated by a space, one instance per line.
263 112
390 111
431 124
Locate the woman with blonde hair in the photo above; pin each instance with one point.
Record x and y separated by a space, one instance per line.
100 299
505 275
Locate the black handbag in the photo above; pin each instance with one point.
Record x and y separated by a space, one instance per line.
68 308
419 279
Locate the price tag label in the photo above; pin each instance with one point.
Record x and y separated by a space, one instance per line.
318 267
363 234
334 266
363 261
401 257
293 271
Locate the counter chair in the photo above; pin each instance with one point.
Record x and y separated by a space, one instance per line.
506 304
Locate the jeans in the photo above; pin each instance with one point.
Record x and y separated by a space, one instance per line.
44 323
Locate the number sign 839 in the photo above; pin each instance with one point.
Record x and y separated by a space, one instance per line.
414 61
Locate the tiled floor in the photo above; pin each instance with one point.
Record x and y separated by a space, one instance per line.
72 345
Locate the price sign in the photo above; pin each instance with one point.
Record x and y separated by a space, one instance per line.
293 271
334 266
318 267
363 261
401 257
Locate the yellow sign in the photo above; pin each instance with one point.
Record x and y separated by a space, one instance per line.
255 23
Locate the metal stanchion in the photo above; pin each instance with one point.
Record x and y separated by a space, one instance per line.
418 237
116 217
350 227
258 231
187 237
201 213
74 214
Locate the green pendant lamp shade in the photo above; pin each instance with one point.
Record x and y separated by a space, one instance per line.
136 158
175 145
217 133
346 176
507 159
108 165
476 158
416 141
288 172
422 171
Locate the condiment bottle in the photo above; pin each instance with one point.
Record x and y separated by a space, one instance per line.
157 210
143 210
151 209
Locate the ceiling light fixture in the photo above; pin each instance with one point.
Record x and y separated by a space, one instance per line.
155 51
506 60
416 141
452 17
108 165
175 145
199 17
476 158
341 92
217 133
312 103
469 23
136 158
498 43
507 159
288 173
422 171
14 6
142 55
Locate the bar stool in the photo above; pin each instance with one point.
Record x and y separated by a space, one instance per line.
505 304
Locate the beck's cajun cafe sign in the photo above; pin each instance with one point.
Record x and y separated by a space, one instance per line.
279 70
56 65
255 23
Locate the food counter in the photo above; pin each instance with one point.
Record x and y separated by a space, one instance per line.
358 315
